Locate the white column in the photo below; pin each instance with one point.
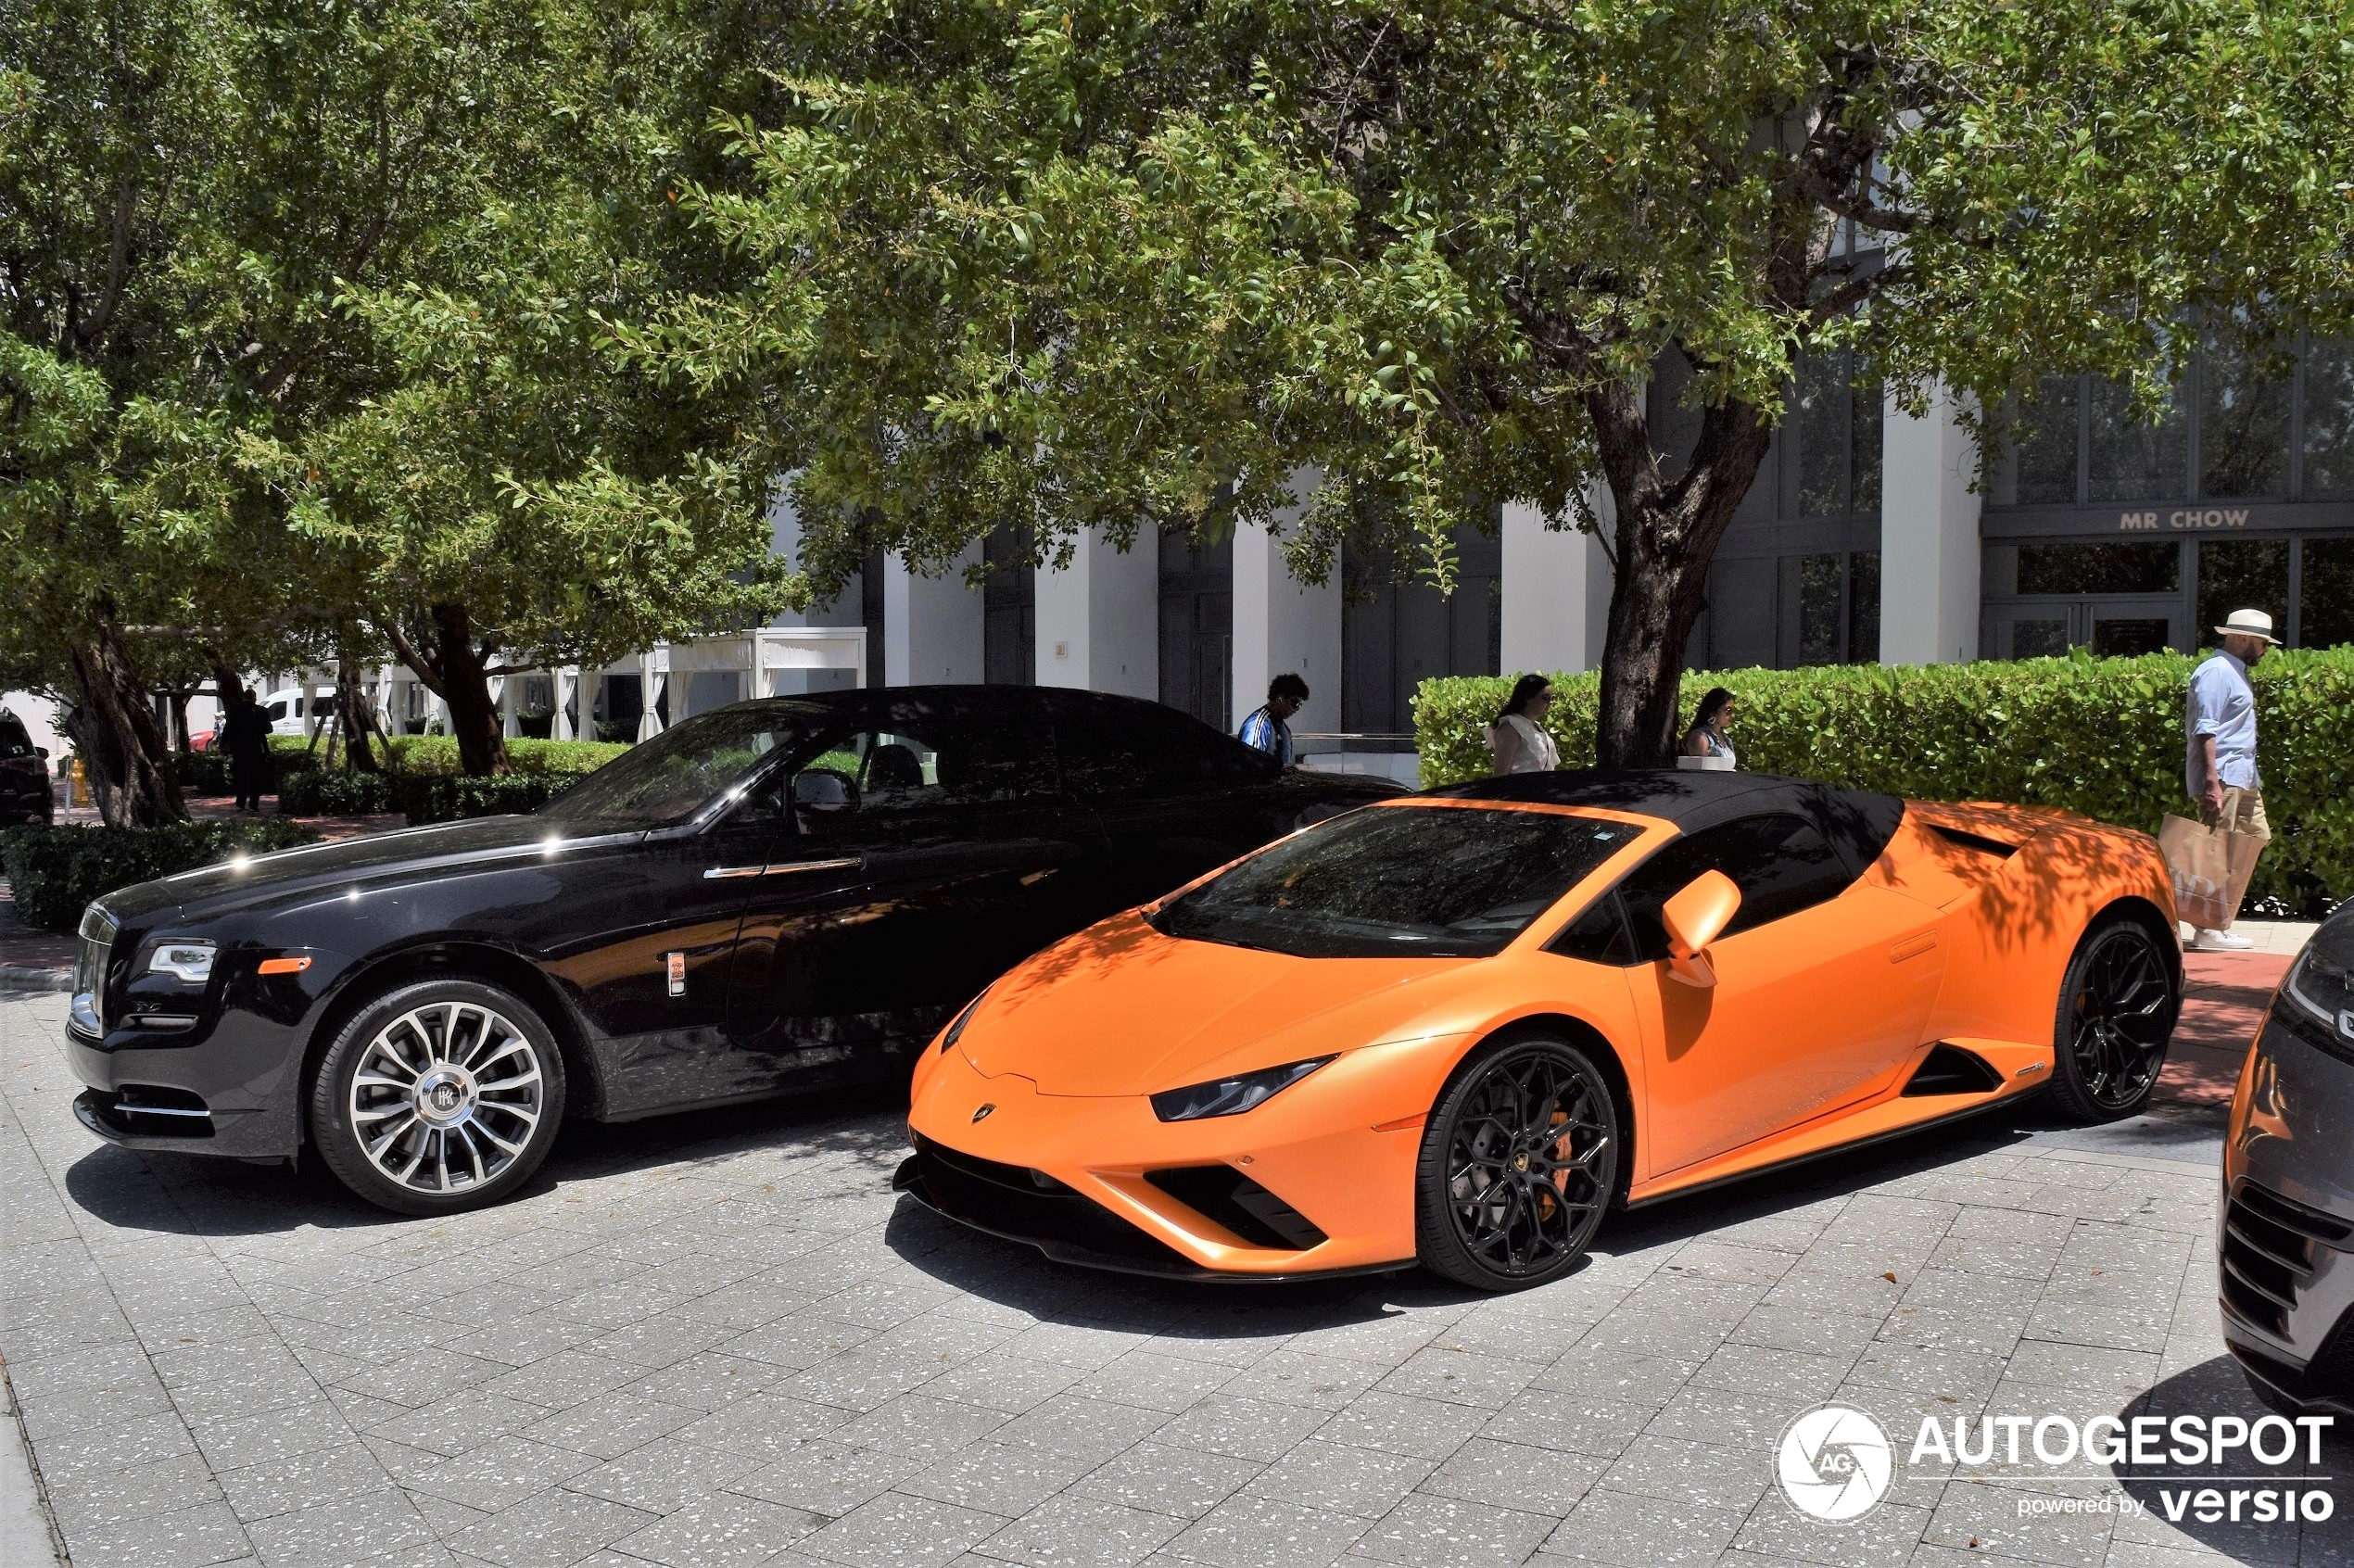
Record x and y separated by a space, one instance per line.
933 628
1284 625
1099 618
502 691
1928 604
562 683
1556 591
653 676
592 680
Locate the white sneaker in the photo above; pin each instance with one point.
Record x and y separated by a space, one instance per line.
2206 940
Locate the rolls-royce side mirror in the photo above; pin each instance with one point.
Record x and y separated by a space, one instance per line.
824 791
42 752
1696 916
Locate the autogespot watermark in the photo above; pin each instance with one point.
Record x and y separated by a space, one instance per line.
1836 1462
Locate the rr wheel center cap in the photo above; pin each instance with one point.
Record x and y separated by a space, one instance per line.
445 1094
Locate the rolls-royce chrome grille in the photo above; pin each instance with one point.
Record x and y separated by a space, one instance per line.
98 934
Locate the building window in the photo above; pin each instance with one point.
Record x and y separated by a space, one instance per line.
2240 574
2044 443
1009 612
1398 631
1830 440
2228 432
1831 608
1197 628
1863 607
2128 459
2326 593
2329 417
2100 568
2243 426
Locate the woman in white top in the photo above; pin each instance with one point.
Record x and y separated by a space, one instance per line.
1706 736
1517 739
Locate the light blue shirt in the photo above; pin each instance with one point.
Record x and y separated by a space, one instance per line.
2222 703
1267 733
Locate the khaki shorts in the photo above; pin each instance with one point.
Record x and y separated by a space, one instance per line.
2243 813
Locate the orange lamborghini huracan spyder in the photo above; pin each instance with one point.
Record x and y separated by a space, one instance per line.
1457 1028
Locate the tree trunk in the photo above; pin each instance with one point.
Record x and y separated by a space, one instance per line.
1666 536
445 657
352 714
123 750
474 717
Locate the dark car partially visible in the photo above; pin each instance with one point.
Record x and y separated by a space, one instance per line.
781 895
25 793
2287 1229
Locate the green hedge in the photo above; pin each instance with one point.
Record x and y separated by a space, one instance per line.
201 772
2103 737
335 792
433 798
54 872
437 755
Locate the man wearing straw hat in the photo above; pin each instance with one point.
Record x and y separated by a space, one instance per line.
2219 723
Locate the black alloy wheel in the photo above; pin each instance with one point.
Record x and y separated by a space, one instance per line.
2117 1010
1519 1161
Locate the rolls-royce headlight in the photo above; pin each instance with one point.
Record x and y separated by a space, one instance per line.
190 963
1232 1096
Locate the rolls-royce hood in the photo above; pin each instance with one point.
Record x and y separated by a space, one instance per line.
250 881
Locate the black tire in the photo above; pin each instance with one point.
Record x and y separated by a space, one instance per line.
2118 1003
1519 1161
461 1094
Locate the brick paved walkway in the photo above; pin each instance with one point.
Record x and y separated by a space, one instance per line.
720 1340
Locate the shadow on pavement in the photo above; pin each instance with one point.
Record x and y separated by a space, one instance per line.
194 1194
1019 1276
2171 1492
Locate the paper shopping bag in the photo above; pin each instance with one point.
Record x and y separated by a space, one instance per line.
2198 859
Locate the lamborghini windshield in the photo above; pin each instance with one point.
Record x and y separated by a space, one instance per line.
1435 881
669 778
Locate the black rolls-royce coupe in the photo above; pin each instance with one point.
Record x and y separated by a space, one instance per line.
785 894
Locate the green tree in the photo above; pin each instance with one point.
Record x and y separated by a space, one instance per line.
297 335
1108 262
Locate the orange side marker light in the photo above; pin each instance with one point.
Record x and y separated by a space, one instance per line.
284 965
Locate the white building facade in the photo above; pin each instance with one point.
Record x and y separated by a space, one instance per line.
1868 537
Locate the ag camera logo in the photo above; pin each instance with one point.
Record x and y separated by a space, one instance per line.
1834 1463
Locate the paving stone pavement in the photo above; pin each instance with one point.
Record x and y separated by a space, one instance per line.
721 1340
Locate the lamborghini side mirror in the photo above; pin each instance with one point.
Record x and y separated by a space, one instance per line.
1696 916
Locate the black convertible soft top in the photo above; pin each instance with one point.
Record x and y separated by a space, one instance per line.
1859 822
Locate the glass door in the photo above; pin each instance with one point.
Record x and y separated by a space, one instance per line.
2116 626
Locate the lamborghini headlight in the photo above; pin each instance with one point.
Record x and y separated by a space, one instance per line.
1232 1096
955 1030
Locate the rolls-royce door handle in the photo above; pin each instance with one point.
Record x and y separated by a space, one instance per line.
784 867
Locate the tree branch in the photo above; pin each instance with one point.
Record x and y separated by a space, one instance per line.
417 663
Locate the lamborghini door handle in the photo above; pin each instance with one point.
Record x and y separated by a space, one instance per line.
1912 948
783 868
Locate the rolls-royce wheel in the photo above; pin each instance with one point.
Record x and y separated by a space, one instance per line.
439 1097
1519 1161
2116 1009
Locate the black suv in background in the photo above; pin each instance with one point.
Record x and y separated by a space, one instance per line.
25 795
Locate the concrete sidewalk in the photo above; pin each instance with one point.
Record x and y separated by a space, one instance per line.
721 1340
